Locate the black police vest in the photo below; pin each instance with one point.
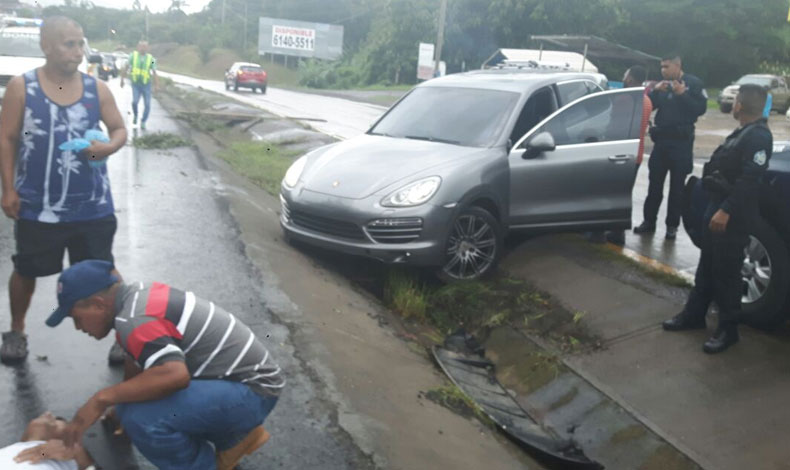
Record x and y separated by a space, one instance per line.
727 160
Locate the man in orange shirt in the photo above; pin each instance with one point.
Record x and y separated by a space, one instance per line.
634 77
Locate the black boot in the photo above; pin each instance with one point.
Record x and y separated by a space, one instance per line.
683 321
672 233
645 228
722 339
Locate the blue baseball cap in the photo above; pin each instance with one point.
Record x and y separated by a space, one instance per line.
78 282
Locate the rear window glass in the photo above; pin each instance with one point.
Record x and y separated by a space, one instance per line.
251 69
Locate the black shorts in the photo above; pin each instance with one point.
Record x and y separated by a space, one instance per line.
40 246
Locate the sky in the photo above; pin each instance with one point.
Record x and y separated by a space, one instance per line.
153 5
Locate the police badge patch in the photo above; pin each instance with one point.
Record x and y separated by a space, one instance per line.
760 157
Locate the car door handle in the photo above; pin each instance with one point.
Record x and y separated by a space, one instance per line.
620 158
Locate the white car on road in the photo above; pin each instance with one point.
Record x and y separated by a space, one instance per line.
20 50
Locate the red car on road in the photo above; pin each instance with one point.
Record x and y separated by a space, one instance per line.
246 75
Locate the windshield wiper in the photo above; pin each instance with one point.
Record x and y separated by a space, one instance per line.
433 139
381 134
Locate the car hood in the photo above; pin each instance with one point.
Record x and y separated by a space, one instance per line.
362 166
732 89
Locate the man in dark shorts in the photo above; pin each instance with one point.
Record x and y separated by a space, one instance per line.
60 199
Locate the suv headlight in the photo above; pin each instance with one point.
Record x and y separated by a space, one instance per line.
294 172
413 194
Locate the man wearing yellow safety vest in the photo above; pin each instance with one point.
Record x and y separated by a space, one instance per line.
142 70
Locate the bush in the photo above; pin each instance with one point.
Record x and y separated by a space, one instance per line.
328 75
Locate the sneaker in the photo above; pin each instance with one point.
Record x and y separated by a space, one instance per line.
14 347
134 121
117 356
672 233
645 228
142 125
228 459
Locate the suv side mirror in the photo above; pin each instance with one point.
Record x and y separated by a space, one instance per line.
541 142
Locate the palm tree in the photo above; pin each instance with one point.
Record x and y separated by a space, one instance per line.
177 5
137 6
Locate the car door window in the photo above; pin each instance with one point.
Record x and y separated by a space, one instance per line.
569 92
605 117
538 107
774 83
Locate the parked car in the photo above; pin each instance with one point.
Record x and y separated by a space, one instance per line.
246 75
462 160
766 269
108 68
775 84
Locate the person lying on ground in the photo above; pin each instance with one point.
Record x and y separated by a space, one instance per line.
41 448
198 383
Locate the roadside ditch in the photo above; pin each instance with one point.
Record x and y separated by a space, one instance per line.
524 331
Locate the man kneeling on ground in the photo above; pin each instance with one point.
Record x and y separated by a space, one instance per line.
42 448
198 383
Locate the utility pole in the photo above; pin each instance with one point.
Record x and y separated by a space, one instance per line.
146 22
245 26
223 12
440 36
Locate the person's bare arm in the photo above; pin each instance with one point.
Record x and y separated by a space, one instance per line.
152 384
130 368
11 118
112 118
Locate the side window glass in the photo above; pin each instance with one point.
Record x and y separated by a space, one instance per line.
538 107
571 91
592 87
774 83
605 118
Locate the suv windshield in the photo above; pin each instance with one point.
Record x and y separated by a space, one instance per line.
20 44
751 79
462 116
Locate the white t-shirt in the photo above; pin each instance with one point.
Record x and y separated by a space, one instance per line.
7 455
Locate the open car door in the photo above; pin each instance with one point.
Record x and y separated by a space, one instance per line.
577 168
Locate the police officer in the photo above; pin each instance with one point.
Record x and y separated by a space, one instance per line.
731 179
680 99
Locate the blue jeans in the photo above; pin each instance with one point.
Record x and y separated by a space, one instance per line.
177 432
145 92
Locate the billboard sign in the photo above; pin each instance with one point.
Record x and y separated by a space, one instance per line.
425 62
300 39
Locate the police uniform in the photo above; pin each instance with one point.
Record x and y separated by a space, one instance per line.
731 179
673 153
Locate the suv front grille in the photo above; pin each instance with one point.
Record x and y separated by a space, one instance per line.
395 231
325 225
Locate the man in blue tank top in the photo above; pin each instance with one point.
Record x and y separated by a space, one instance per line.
57 198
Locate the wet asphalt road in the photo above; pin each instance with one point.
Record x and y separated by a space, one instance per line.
345 119
174 227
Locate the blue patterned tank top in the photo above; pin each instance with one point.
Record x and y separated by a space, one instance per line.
56 185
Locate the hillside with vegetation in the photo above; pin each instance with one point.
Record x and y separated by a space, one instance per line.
719 39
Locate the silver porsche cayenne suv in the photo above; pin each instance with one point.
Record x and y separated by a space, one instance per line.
462 160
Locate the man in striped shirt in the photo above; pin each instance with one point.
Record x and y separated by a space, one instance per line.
198 383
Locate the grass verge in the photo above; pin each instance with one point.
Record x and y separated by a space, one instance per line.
263 163
480 307
160 141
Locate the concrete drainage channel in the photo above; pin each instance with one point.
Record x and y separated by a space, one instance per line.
575 425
